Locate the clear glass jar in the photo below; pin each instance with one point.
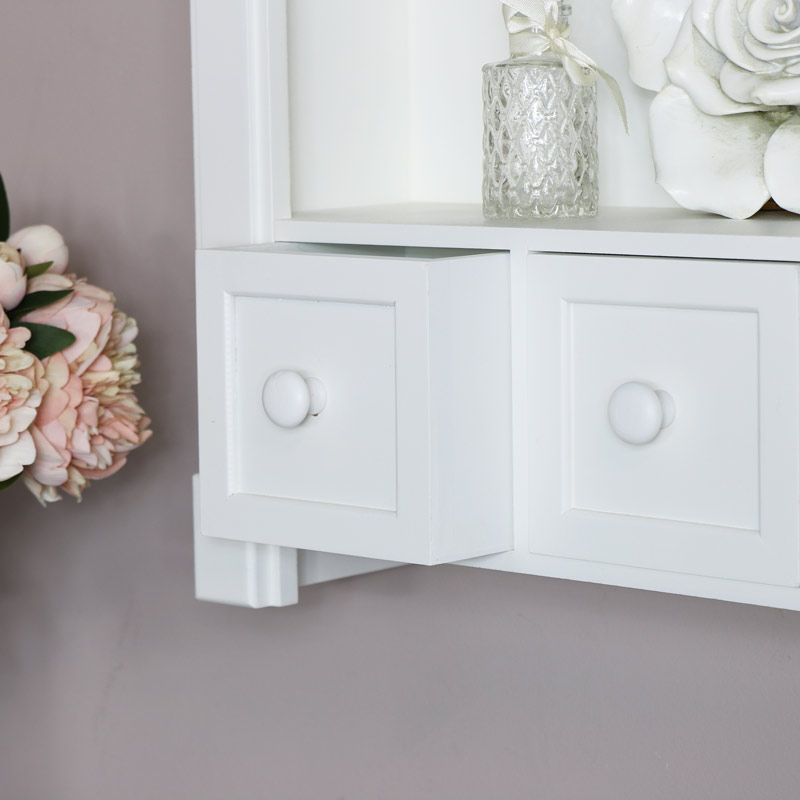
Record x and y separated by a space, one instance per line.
539 139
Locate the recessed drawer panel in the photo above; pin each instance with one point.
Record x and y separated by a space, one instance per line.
703 466
663 434
347 453
343 404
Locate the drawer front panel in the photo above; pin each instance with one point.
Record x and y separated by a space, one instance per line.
663 429
347 454
342 400
703 467
355 478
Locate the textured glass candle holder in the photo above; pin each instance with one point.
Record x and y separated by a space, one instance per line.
539 141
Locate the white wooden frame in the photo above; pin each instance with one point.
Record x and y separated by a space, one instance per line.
429 299
243 197
240 110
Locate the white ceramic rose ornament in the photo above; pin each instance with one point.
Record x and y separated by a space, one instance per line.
725 125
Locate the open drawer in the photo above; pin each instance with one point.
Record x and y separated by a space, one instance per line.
664 427
356 400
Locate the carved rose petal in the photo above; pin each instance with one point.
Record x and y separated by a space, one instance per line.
694 65
709 163
749 87
703 20
772 30
782 165
648 29
730 27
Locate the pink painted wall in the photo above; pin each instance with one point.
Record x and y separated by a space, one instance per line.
419 683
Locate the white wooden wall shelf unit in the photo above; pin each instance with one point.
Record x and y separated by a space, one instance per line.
387 378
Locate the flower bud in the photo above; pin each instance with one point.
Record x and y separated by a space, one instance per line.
12 277
41 243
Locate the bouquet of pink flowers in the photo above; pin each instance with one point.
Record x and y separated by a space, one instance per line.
68 412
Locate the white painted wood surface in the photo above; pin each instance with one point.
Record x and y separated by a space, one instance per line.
396 116
241 573
717 493
241 154
280 110
670 232
400 341
262 575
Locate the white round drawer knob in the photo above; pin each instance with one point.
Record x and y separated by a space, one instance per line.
637 413
289 398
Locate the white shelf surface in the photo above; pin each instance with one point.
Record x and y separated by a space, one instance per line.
668 232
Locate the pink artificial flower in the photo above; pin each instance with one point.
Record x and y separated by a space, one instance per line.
56 422
121 422
42 243
12 277
86 313
22 385
90 418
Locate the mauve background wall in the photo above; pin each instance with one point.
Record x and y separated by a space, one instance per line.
418 683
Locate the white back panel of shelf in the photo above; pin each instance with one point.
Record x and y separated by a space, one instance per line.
385 102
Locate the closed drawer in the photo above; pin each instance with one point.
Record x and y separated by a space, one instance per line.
663 398
344 403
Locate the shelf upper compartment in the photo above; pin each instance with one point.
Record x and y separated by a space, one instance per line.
770 236
292 120
398 118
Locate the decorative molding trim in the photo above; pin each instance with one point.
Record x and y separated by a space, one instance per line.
241 135
242 573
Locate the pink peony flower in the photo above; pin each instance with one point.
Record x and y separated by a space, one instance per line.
86 313
41 243
12 277
22 384
56 421
90 418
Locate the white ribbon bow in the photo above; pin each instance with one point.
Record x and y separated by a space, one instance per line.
533 30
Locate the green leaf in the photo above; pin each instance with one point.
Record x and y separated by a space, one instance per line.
5 216
46 339
5 484
36 300
35 270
